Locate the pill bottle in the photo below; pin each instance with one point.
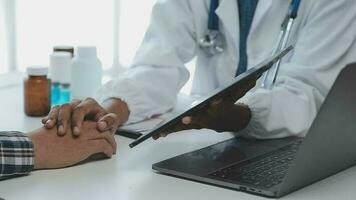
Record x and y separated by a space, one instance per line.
59 71
64 86
37 92
86 73
64 48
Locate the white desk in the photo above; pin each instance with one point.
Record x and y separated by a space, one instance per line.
128 175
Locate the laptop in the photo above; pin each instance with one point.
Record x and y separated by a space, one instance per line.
274 168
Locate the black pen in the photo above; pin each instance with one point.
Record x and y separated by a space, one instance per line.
128 133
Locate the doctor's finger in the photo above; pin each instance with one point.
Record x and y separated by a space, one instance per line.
178 127
187 120
51 119
216 102
88 108
193 121
196 122
109 121
240 91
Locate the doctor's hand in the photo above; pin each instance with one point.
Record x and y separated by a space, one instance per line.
221 116
109 117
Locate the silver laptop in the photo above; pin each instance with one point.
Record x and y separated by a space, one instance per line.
274 168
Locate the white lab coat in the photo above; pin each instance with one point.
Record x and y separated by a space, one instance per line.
323 35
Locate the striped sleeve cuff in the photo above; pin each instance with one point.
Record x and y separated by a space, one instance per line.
16 154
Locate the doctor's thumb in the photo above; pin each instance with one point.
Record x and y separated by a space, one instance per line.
108 122
187 120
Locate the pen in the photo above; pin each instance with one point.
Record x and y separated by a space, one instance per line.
128 133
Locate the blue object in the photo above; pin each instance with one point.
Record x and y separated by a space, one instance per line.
55 94
213 43
293 9
65 94
292 13
247 10
213 21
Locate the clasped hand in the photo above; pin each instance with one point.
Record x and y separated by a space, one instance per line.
75 131
76 112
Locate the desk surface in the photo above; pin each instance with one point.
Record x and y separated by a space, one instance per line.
128 175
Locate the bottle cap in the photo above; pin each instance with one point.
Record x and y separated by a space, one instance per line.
64 48
59 67
86 51
37 70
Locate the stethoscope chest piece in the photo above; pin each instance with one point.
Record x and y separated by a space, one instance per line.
212 43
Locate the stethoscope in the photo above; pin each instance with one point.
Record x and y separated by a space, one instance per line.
213 43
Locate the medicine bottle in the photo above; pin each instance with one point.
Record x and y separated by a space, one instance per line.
37 92
86 73
64 48
64 87
59 70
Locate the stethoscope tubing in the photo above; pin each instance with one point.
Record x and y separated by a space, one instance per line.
283 38
213 20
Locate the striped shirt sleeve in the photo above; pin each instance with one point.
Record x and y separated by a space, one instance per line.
16 154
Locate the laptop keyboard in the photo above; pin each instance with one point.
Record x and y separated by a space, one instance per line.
266 171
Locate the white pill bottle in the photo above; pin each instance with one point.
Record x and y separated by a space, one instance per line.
86 73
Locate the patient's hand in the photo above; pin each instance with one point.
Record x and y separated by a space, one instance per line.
52 151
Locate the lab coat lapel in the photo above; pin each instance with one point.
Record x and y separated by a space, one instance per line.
262 8
228 15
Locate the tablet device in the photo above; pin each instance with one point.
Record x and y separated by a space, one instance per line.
238 88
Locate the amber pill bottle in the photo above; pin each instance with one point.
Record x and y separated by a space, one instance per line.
37 92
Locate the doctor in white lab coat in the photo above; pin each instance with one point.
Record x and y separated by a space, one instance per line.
323 35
